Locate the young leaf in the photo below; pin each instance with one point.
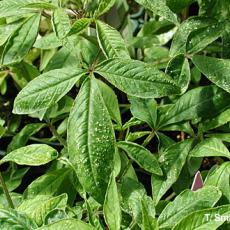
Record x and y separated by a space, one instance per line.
186 203
79 26
210 147
103 7
197 182
13 220
204 219
40 206
61 23
179 69
137 78
141 156
46 90
159 8
196 103
172 162
216 70
91 140
34 155
21 41
219 177
111 42
70 224
145 110
111 207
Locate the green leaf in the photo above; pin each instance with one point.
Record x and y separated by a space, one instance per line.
13 220
12 8
46 90
177 5
133 197
21 138
50 183
23 72
70 224
196 103
216 70
63 58
204 219
49 41
181 38
103 7
61 23
79 26
21 41
111 207
7 29
111 101
111 42
91 140
159 8
210 147
172 161
201 38
137 78
13 177
40 206
145 110
34 155
217 121
178 68
148 222
186 203
219 177
141 156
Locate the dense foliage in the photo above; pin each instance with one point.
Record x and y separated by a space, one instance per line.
108 111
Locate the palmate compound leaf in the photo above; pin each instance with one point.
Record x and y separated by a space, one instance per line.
215 69
186 203
91 140
34 155
46 90
137 78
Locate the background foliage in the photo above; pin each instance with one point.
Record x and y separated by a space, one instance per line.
108 109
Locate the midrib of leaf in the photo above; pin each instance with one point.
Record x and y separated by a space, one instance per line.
88 132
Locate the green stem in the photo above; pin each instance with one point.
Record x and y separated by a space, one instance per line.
56 134
6 192
148 138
